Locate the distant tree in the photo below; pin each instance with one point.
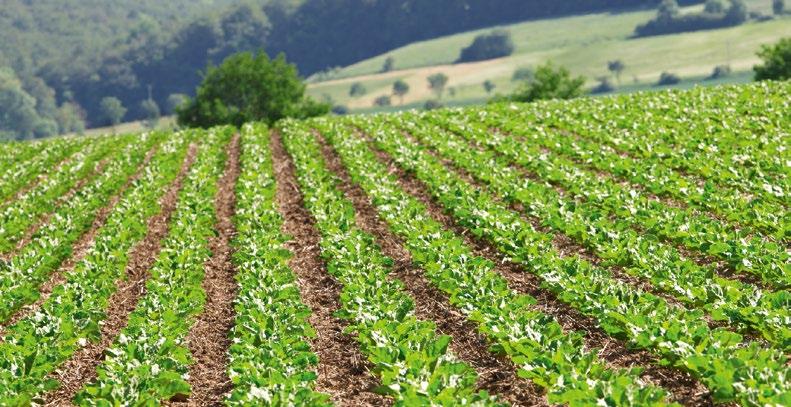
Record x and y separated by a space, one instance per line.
383 101
778 7
437 83
389 64
668 10
400 88
433 104
175 101
720 71
714 7
737 13
776 61
151 112
668 78
489 86
452 92
249 87
112 110
616 67
357 90
605 85
71 118
495 44
524 73
550 82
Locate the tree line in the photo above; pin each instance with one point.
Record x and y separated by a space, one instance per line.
58 81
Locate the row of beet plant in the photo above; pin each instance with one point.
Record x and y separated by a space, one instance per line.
18 171
149 361
21 277
730 368
271 362
743 305
743 252
33 348
534 341
29 208
413 362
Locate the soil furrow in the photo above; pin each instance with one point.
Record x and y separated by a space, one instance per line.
209 339
496 374
79 249
343 372
721 268
80 369
616 353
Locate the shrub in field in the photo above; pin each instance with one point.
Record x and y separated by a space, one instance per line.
668 78
247 88
496 44
549 82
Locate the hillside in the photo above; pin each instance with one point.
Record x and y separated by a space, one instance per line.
582 43
623 251
63 58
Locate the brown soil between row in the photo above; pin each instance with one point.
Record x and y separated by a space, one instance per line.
496 374
209 338
616 353
79 249
80 369
343 372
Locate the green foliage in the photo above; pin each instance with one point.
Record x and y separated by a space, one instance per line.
151 112
388 65
489 86
616 67
668 78
24 115
496 44
112 110
400 88
720 71
778 7
550 82
437 83
175 101
524 73
383 101
669 19
249 87
776 61
357 89
71 118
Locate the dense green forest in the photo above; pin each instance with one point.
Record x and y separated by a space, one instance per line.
62 57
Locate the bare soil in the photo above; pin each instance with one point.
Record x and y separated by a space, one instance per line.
614 352
343 372
496 373
209 339
80 369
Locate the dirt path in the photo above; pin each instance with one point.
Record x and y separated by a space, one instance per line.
209 339
81 367
343 372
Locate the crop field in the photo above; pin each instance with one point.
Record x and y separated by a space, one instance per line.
627 250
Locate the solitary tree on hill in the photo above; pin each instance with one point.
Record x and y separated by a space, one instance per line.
778 7
489 86
616 67
112 110
437 83
400 88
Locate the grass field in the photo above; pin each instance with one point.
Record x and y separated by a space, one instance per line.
628 250
584 44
